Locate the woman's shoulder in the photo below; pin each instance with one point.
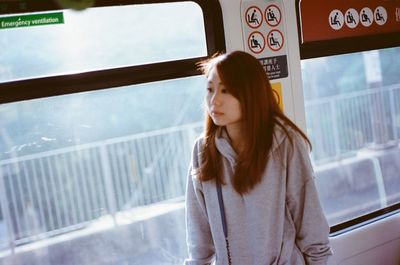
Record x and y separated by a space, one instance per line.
197 147
198 142
286 134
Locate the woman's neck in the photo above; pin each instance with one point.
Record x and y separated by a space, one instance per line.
235 138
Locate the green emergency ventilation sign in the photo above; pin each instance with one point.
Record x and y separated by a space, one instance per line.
31 20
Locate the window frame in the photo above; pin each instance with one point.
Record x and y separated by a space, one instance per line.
364 219
41 87
326 48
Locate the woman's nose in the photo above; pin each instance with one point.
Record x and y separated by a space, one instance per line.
215 99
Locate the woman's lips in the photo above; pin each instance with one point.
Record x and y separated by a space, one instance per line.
216 113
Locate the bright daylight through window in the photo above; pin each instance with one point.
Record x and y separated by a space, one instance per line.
99 177
352 106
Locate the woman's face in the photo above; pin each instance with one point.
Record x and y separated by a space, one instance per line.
223 108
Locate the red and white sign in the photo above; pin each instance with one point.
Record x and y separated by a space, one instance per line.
275 40
265 38
273 15
254 17
256 42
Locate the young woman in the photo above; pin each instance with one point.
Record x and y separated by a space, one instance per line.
250 196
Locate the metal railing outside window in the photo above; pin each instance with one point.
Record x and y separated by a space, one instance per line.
63 190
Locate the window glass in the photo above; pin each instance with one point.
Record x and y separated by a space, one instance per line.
98 172
99 177
352 106
103 38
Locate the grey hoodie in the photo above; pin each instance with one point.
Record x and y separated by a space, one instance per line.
280 221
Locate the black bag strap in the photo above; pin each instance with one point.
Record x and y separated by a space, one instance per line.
223 219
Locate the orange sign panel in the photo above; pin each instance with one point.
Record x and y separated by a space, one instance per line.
326 20
277 89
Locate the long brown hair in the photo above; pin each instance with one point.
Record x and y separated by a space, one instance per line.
244 77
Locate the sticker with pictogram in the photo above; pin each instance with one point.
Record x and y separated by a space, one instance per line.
275 40
254 17
351 18
256 42
273 15
380 15
265 38
336 19
366 17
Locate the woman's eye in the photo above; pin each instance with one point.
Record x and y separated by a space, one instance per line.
209 89
225 91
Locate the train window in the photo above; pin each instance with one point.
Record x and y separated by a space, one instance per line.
109 174
97 121
99 38
353 119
